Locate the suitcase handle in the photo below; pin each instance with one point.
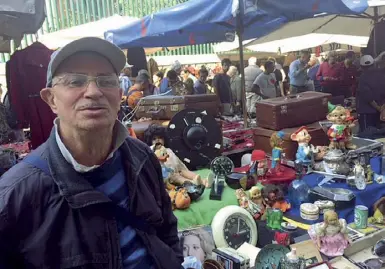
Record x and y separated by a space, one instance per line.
156 112
294 96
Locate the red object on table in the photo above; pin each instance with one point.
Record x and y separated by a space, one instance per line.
240 138
287 176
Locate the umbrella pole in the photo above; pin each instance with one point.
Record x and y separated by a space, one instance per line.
240 30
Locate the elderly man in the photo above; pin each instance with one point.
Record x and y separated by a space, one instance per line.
298 74
252 71
91 196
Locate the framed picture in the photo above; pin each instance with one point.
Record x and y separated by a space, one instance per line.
197 242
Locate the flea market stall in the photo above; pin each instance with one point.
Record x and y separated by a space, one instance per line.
307 193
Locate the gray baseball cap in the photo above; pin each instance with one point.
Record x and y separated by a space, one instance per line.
86 44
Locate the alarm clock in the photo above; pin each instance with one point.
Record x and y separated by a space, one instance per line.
232 226
222 166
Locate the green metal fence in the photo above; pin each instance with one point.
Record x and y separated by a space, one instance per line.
63 14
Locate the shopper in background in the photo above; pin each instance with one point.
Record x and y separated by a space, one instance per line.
221 85
330 75
188 82
266 84
200 86
124 79
298 73
370 94
349 75
312 74
279 75
135 93
252 71
236 89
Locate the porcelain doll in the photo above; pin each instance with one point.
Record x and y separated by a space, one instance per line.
331 235
305 151
339 131
155 135
255 210
276 142
179 199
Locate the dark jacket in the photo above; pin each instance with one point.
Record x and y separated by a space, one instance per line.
63 222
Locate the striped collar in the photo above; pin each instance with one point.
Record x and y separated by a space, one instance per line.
121 136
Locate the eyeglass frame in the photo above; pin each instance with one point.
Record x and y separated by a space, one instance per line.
89 79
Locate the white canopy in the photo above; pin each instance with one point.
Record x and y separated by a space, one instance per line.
327 43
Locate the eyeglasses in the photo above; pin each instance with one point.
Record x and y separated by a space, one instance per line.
80 81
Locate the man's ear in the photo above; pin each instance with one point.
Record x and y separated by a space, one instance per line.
48 97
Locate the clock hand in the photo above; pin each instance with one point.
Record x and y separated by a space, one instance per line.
238 225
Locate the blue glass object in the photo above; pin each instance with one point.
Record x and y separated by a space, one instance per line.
298 192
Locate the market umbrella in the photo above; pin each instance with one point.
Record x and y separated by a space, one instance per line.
207 21
353 25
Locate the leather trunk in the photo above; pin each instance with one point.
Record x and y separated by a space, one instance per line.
262 139
140 127
291 111
165 107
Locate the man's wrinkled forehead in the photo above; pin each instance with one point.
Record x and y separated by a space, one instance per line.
84 62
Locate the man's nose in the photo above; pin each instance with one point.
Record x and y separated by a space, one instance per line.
92 90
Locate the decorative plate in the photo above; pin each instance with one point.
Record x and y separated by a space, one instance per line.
270 256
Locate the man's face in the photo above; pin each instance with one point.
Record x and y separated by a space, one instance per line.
332 60
305 58
84 106
225 67
203 77
270 69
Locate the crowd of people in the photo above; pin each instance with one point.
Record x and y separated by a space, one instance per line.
341 76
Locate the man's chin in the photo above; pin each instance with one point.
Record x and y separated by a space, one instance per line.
95 124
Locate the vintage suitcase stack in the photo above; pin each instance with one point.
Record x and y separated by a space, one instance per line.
159 107
287 114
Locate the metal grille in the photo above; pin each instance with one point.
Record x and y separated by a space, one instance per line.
63 14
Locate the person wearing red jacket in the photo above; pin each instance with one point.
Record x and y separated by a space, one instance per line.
330 75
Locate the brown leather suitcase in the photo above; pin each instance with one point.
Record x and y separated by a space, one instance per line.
262 139
291 111
165 107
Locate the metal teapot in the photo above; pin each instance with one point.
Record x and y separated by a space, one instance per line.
335 160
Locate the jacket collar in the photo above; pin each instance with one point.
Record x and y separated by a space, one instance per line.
78 191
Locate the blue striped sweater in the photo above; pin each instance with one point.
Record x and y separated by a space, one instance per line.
110 179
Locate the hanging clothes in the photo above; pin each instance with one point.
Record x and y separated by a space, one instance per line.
152 67
376 36
136 57
26 72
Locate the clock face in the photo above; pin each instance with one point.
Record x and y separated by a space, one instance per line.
222 166
237 231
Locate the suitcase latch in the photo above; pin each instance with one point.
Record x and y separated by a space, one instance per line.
174 108
284 109
156 102
324 101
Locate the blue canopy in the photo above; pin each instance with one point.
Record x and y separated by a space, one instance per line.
304 9
207 21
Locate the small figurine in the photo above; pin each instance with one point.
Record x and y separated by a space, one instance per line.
359 176
274 218
331 235
379 212
306 151
276 142
292 261
256 195
161 152
339 132
179 199
256 211
282 238
155 135
274 198
369 175
259 157
350 123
